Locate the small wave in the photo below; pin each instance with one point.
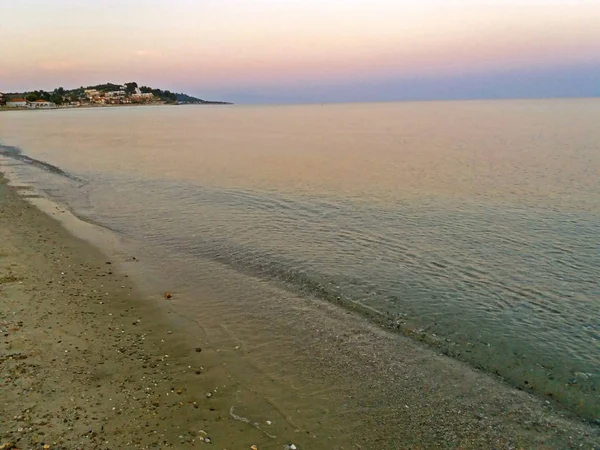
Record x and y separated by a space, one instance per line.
17 154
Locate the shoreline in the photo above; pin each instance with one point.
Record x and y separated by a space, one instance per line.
86 361
53 283
60 108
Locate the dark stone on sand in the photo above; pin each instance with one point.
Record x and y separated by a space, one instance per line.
198 349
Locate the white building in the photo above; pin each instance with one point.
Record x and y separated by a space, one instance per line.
91 93
17 103
143 96
115 94
41 104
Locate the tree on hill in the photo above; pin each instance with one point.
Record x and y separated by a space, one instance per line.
130 87
57 99
106 87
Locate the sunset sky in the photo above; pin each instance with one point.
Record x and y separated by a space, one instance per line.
307 50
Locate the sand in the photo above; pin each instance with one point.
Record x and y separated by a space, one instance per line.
85 362
88 362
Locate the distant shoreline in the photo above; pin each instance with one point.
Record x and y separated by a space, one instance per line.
208 103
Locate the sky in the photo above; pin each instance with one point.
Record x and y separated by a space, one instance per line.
296 51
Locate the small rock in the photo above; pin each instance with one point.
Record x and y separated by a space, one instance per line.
198 349
208 394
207 440
168 295
254 447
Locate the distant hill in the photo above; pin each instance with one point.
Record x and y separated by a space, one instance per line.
188 99
111 94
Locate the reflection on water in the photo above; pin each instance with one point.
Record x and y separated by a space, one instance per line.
470 226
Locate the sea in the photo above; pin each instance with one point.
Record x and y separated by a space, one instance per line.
471 227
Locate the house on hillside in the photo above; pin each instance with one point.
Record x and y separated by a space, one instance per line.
91 93
115 94
17 103
41 104
145 96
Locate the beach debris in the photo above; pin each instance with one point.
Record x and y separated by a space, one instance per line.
168 295
269 422
207 440
290 447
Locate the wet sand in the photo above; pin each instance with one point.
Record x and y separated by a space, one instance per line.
89 362
86 362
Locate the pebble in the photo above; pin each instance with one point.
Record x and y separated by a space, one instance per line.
208 395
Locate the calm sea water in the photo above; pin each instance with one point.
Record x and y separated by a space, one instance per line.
471 226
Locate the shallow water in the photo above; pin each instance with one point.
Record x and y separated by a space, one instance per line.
471 226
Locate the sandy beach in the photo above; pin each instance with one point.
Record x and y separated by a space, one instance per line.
89 362
85 362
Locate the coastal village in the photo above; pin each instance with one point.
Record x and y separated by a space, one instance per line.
108 94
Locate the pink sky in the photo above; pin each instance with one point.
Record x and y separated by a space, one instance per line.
223 45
